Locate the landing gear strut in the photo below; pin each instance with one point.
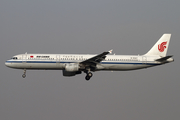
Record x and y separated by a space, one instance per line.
24 75
88 76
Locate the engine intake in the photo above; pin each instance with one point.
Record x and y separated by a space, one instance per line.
72 67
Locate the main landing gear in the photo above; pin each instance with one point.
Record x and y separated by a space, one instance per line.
88 75
24 75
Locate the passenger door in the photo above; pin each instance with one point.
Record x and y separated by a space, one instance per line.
144 59
24 58
57 59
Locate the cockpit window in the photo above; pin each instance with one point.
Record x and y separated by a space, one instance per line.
14 58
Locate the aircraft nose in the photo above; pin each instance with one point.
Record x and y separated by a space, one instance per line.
7 64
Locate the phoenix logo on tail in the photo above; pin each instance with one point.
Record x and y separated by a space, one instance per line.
162 46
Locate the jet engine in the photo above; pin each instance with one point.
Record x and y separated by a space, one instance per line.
72 67
68 74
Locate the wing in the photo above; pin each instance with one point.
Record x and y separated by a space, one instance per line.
91 62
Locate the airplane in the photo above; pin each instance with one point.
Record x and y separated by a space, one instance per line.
73 64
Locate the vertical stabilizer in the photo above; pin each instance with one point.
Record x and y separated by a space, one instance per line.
161 46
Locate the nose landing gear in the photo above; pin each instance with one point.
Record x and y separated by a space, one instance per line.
24 75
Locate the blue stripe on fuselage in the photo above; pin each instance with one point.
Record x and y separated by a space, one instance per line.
75 62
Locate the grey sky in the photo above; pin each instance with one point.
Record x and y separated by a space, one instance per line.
92 27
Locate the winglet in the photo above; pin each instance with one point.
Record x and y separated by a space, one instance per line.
110 51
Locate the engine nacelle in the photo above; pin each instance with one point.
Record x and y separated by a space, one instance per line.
72 67
68 74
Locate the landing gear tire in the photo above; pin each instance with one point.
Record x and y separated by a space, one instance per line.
23 75
88 76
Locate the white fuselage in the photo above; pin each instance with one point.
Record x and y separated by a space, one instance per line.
73 64
58 61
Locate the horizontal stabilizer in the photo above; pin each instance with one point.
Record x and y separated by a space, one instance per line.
164 58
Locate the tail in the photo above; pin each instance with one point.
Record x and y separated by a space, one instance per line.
161 46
